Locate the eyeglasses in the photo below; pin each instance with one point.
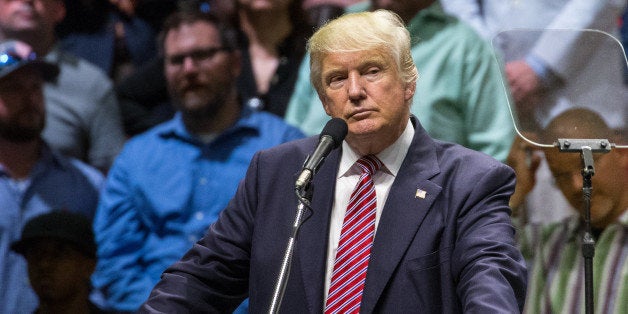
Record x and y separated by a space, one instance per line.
198 55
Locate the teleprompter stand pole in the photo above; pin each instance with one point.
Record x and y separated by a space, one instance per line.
586 148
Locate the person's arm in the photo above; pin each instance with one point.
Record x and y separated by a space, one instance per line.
523 159
120 235
490 270
575 15
554 57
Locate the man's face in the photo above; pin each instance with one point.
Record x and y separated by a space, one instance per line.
22 111
608 190
365 89
199 72
57 271
21 17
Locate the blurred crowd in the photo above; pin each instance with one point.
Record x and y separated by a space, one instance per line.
141 117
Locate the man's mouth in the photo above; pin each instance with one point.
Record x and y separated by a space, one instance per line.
360 114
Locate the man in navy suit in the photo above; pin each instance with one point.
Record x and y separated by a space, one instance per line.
443 243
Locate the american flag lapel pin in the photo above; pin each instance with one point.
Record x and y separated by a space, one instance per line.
420 194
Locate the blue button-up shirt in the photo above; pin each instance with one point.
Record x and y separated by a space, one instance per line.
162 193
55 183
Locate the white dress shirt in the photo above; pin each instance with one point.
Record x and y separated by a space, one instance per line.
348 176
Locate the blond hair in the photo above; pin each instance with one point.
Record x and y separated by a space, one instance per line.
379 30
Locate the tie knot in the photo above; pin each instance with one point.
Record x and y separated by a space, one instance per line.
369 164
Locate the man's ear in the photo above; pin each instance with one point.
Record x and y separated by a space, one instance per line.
409 90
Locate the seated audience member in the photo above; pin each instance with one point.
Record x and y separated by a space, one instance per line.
82 114
170 183
143 95
430 219
109 34
462 95
34 179
60 252
273 46
554 250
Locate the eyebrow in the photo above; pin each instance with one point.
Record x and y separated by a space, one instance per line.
369 62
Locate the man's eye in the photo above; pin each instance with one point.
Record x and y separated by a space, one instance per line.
201 55
176 60
336 81
372 71
198 56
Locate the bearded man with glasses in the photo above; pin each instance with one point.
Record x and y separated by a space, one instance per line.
171 182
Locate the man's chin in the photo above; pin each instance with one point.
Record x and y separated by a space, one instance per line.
193 108
363 127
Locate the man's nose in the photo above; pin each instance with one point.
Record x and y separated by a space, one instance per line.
189 64
355 88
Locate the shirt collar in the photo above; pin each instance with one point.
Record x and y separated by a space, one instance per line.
176 128
392 157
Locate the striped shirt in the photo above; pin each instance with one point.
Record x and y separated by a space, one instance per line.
556 283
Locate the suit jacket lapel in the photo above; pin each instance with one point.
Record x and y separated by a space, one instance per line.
402 215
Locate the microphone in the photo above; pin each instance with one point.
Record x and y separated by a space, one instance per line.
332 135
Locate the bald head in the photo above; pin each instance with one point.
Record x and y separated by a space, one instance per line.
580 123
609 199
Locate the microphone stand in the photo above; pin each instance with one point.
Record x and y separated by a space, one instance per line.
305 197
586 148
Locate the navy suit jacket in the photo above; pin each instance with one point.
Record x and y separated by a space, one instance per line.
451 251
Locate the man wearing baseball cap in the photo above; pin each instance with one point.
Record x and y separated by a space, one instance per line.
82 116
34 179
60 251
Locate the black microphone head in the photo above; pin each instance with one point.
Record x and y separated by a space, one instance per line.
336 128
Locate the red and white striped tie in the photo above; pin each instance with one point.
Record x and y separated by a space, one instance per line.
356 240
